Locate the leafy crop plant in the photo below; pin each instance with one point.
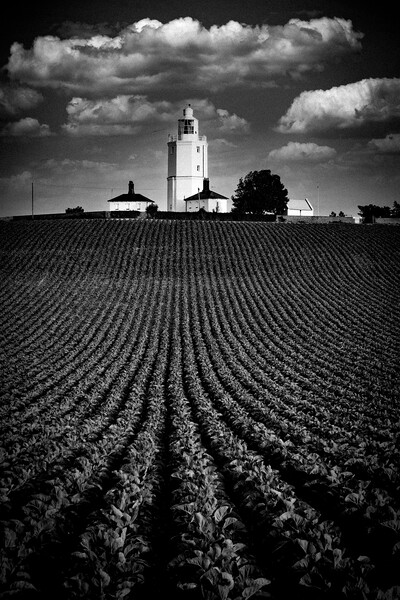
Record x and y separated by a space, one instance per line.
199 410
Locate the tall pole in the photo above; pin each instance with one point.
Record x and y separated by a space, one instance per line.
32 198
318 198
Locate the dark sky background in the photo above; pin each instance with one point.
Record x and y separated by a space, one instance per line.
89 92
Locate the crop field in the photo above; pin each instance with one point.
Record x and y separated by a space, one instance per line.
199 410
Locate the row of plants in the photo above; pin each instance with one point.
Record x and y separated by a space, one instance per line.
297 544
204 409
293 460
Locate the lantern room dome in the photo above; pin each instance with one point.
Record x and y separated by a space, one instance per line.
188 112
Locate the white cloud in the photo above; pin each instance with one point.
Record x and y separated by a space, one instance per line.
297 152
78 29
232 123
93 129
150 55
343 107
389 145
122 115
19 181
26 127
222 144
15 99
68 166
129 115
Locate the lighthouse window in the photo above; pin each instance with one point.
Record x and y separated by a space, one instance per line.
185 126
198 148
198 167
188 126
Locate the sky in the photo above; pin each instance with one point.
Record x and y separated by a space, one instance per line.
89 92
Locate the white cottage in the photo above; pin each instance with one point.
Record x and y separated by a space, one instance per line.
300 208
207 199
130 201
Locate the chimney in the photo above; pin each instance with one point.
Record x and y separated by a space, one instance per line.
206 185
131 188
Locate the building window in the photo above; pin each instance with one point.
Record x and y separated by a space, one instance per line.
198 167
198 148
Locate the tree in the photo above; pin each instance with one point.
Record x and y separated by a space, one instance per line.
202 213
395 211
151 210
370 212
78 210
260 192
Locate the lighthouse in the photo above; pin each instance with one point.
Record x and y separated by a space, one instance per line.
187 162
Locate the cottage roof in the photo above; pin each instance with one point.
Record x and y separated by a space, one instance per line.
130 196
206 193
299 204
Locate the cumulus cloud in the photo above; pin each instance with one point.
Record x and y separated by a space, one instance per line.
26 127
121 115
15 99
232 123
389 145
19 181
77 29
222 144
69 166
182 54
296 152
344 107
128 115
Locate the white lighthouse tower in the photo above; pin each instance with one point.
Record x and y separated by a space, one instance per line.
187 162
